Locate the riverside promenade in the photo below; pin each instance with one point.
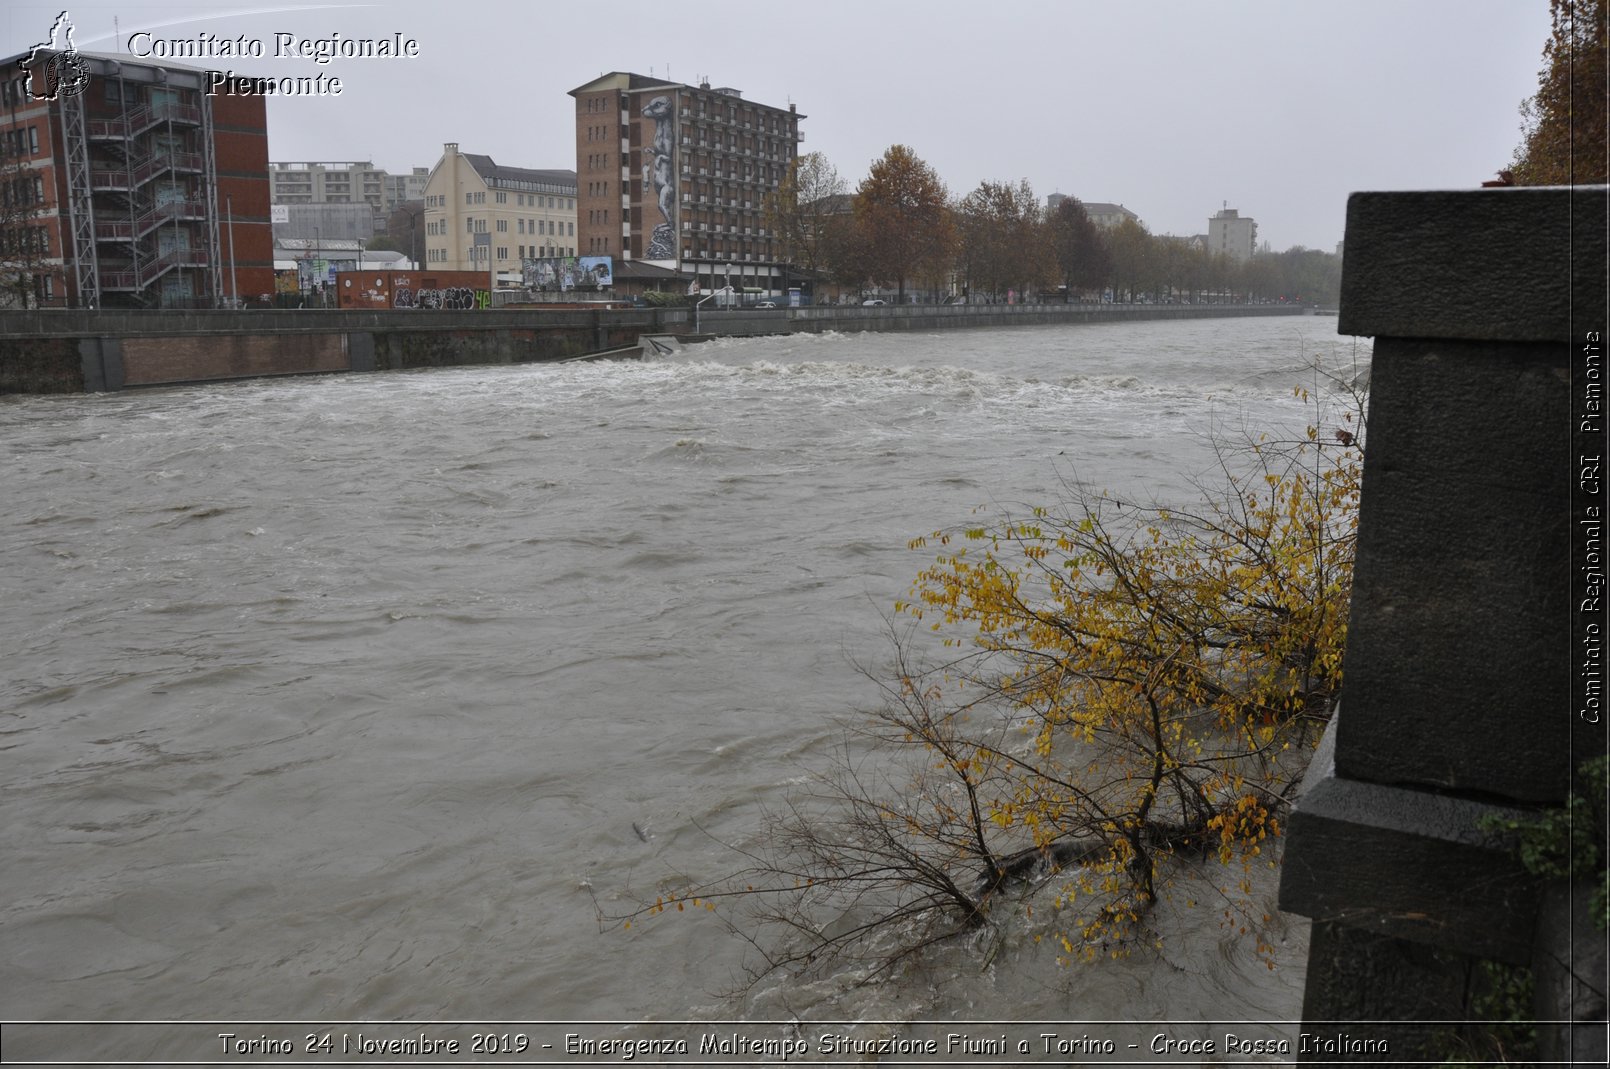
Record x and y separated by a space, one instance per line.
82 351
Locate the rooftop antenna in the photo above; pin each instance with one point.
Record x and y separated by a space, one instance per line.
117 33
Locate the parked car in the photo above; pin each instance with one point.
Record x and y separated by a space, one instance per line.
873 302
767 304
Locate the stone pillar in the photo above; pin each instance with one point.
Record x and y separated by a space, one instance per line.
1458 699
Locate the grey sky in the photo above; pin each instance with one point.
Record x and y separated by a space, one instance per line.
1169 107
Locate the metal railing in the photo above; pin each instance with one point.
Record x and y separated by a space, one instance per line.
140 278
124 230
141 119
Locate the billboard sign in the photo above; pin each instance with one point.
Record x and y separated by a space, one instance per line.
568 273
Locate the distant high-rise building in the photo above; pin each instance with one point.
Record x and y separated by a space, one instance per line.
1232 234
676 175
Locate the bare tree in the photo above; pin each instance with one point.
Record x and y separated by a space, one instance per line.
803 210
26 273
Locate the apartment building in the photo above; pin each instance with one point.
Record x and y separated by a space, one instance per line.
676 175
139 189
346 183
483 216
1232 234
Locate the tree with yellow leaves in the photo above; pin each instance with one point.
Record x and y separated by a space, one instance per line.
1083 698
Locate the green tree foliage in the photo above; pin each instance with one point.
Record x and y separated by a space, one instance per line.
1002 239
1563 126
1078 248
904 227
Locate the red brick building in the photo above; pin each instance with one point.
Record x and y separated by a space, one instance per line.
677 175
124 183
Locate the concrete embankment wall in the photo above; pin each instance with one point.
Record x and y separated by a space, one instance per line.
73 351
88 351
939 317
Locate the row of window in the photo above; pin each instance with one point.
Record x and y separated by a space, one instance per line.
525 252
522 200
25 241
712 106
531 226
14 92
532 200
20 142
22 192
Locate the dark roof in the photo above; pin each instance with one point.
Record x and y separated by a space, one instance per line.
637 83
648 272
499 177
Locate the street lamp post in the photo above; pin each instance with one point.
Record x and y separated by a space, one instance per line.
234 288
318 258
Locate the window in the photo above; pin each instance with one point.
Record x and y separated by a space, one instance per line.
469 198
503 226
503 198
469 226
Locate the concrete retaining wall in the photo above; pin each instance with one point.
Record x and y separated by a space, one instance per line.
70 351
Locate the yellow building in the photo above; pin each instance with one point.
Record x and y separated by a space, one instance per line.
476 209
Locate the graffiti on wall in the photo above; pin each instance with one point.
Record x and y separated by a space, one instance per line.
660 175
451 299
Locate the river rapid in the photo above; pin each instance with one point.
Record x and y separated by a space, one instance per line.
350 698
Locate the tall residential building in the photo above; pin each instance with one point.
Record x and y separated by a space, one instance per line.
1232 235
475 208
141 187
676 175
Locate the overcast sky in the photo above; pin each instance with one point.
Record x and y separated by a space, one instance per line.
1172 108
